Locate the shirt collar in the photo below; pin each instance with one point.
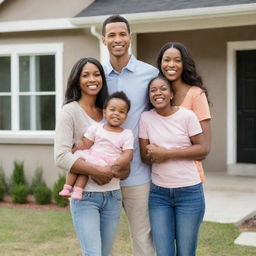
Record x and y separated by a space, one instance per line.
131 66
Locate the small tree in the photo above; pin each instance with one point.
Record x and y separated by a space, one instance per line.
20 193
18 176
1 192
18 188
43 194
3 182
37 179
58 185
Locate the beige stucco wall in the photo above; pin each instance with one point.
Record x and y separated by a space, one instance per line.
33 156
209 49
40 9
76 44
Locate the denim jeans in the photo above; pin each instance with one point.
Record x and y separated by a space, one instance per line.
175 217
96 219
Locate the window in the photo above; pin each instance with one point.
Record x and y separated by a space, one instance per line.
30 89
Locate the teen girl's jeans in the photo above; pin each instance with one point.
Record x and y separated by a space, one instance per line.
95 219
175 217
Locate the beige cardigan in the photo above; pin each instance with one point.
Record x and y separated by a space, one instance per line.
71 125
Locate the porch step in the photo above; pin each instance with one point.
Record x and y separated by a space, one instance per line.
221 181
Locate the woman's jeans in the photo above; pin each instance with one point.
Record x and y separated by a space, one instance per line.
96 219
175 217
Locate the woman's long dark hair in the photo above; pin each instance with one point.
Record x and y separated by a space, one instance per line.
189 75
73 91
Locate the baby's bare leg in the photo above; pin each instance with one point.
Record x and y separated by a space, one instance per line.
71 178
81 181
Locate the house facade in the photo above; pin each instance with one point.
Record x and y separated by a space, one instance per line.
41 40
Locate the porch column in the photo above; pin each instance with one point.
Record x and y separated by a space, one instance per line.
104 55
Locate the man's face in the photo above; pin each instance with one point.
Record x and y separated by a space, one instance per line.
117 39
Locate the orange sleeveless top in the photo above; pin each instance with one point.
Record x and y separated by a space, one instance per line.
196 101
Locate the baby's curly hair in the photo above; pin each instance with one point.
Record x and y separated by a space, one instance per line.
118 95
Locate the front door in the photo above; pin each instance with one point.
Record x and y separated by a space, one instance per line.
246 106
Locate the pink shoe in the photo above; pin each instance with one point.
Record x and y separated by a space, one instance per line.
77 193
66 191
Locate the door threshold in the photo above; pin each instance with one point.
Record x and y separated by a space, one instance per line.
242 169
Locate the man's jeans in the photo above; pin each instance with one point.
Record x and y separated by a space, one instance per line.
175 217
96 219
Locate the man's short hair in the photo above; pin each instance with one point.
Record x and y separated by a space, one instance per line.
115 18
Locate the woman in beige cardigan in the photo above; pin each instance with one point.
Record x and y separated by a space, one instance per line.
96 216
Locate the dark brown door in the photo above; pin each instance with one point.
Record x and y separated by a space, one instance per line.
246 106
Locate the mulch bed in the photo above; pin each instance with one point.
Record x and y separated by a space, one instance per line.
31 204
249 225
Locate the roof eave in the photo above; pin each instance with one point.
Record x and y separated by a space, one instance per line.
186 19
175 15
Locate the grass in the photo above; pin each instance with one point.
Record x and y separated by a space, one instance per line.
50 233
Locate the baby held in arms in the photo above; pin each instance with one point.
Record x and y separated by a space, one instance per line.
103 144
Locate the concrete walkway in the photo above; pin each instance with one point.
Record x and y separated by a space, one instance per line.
231 199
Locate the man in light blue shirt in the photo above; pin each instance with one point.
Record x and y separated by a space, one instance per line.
133 80
126 73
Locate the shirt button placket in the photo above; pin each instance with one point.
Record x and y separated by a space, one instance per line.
119 85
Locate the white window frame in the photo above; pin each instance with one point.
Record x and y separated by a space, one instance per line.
233 166
14 51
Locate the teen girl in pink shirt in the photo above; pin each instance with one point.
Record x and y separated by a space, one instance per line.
175 63
170 138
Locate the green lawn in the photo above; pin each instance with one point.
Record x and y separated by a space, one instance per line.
50 233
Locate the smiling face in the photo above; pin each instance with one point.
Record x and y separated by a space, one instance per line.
116 112
160 94
172 64
90 79
117 39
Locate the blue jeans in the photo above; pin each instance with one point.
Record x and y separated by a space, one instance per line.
175 217
96 219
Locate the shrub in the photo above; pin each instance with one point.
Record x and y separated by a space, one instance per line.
2 192
3 182
58 185
43 194
18 177
20 193
37 179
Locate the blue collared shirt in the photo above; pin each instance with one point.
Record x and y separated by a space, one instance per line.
133 80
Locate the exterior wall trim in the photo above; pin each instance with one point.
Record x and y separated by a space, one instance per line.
233 166
36 25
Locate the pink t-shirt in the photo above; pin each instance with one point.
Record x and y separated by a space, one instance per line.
111 145
173 131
